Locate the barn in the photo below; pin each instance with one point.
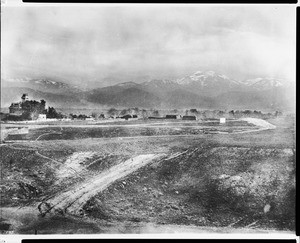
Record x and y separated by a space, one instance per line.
171 116
126 117
189 118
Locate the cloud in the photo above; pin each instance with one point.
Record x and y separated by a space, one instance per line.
82 43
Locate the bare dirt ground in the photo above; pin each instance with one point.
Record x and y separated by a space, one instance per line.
74 198
152 184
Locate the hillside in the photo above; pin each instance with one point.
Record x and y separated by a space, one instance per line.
9 95
123 96
202 89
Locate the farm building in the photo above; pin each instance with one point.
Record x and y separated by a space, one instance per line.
171 116
42 117
24 97
126 117
189 118
15 108
222 120
155 117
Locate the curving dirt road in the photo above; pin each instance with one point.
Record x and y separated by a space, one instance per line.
72 200
260 123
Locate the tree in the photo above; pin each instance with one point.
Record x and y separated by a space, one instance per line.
247 112
94 115
144 113
136 110
231 113
52 113
43 104
123 112
112 112
155 113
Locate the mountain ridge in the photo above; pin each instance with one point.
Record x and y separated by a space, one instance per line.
207 89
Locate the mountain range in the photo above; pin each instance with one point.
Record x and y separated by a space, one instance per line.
202 89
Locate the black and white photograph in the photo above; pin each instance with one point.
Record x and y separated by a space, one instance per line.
154 119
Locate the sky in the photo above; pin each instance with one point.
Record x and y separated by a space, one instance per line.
98 44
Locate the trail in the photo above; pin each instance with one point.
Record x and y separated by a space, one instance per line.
51 132
72 200
262 124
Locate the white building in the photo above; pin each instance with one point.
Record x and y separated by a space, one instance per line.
222 120
42 117
89 119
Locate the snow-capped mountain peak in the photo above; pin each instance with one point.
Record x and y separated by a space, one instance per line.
266 82
158 82
205 78
126 84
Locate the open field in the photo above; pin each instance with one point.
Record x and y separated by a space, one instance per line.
81 131
120 179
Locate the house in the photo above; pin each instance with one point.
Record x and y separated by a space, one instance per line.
155 117
31 107
171 116
189 118
42 117
15 108
24 97
222 120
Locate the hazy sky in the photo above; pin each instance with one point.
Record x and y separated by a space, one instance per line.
87 43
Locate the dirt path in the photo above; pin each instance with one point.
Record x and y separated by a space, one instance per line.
72 200
260 123
51 132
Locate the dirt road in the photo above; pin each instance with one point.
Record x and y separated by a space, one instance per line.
72 200
260 123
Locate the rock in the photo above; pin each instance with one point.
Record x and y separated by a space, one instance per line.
267 208
224 176
124 182
160 194
145 189
177 192
174 207
235 178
